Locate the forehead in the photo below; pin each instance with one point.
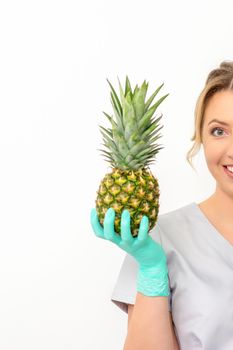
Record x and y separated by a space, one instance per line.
220 106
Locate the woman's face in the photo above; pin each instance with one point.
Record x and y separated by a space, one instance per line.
217 138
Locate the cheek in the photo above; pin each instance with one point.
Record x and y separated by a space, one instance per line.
213 156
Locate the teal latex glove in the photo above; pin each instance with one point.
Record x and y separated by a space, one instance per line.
152 278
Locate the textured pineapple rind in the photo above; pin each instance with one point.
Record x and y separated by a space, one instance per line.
136 191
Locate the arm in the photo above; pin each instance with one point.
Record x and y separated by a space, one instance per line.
149 328
147 310
149 324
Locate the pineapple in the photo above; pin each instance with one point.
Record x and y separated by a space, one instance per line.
131 147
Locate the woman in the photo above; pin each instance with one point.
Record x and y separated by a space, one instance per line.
177 283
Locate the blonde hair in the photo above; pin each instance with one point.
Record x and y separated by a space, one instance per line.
218 79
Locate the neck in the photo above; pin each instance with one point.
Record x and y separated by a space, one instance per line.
222 204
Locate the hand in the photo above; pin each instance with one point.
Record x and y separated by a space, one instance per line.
143 248
148 253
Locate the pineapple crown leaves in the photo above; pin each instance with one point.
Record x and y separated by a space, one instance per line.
130 142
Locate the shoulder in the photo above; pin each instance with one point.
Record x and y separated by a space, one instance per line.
175 225
180 215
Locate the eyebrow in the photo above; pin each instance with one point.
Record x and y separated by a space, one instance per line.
218 121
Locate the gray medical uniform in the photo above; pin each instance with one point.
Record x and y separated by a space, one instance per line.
200 269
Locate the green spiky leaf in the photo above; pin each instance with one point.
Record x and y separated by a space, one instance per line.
131 142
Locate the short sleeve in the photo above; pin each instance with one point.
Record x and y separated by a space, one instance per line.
125 289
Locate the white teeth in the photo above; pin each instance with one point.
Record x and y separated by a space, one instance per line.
230 168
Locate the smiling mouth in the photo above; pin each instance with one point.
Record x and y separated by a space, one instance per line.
228 172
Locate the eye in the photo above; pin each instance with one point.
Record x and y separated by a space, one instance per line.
216 128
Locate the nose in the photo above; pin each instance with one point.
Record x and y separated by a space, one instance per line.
230 149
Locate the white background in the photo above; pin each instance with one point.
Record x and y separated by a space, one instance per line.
56 276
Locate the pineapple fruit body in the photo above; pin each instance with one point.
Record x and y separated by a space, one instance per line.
137 191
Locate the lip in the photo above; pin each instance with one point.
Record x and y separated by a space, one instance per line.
227 171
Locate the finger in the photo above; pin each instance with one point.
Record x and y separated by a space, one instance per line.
96 226
125 226
143 228
109 219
